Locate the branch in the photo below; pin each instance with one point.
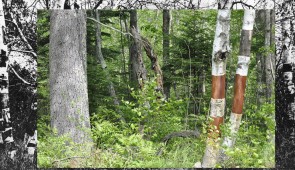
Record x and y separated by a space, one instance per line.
32 52
243 3
97 5
21 35
115 29
19 76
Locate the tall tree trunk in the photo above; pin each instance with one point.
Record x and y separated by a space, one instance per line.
69 108
104 65
166 52
220 52
137 68
241 76
6 136
285 89
268 57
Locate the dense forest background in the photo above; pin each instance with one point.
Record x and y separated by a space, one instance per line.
175 128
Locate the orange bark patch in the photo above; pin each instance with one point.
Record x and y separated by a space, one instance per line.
239 91
218 87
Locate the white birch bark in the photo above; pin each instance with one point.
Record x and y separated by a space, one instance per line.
6 136
220 52
242 70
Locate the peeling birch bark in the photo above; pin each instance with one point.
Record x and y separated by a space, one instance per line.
241 76
221 51
6 136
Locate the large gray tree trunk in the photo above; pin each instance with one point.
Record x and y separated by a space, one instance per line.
68 78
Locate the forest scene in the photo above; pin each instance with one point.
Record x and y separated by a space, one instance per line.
137 88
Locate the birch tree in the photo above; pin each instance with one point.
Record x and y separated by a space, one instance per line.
220 53
241 76
285 89
6 136
68 78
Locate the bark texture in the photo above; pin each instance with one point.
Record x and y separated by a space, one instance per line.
268 57
219 55
6 136
285 89
137 68
241 76
68 78
154 62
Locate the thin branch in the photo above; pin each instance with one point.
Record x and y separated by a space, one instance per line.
21 35
98 3
115 29
243 3
31 52
18 75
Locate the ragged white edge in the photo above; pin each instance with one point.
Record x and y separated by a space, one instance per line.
235 121
220 44
217 107
249 17
243 65
218 68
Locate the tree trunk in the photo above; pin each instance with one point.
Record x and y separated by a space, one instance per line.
260 62
6 136
166 52
154 62
104 66
137 68
241 76
268 57
285 89
68 75
220 52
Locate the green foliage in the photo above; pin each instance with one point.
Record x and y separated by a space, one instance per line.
119 144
